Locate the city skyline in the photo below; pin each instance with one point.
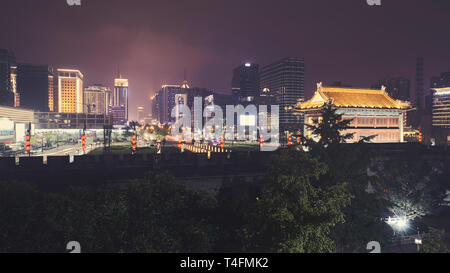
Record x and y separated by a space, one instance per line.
152 52
241 128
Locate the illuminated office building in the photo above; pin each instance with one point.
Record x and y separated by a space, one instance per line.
14 86
70 91
140 113
170 96
119 107
441 107
96 99
284 81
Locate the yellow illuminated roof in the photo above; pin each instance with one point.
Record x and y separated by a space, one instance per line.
352 98
64 70
121 82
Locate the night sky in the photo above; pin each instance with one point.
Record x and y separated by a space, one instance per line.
152 41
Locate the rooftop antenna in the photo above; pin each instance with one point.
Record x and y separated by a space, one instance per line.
118 72
185 84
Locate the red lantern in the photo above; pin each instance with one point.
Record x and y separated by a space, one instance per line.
133 142
28 143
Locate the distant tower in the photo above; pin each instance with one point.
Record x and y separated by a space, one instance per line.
120 101
140 113
245 82
7 62
185 83
419 85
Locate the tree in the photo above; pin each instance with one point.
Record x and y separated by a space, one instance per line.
328 130
413 187
349 162
294 212
153 215
433 243
163 216
234 199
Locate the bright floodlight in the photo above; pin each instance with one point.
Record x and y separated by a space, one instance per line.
398 223
248 64
402 223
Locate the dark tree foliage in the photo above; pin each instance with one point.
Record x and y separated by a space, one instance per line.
294 213
234 199
349 163
433 243
155 215
413 187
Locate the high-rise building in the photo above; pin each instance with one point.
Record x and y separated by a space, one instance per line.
155 102
14 86
165 101
284 80
245 82
35 87
119 107
441 81
172 95
419 85
96 99
441 107
397 88
70 91
7 62
52 96
140 113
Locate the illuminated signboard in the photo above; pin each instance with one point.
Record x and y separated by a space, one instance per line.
247 120
7 132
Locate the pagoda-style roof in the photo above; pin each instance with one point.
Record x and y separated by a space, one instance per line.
345 97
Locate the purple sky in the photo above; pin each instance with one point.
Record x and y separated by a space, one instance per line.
154 40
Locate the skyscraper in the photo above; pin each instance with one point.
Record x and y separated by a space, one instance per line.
441 81
119 107
35 86
70 91
441 107
140 114
14 86
155 107
419 85
165 101
52 96
7 62
245 82
96 99
284 80
170 96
